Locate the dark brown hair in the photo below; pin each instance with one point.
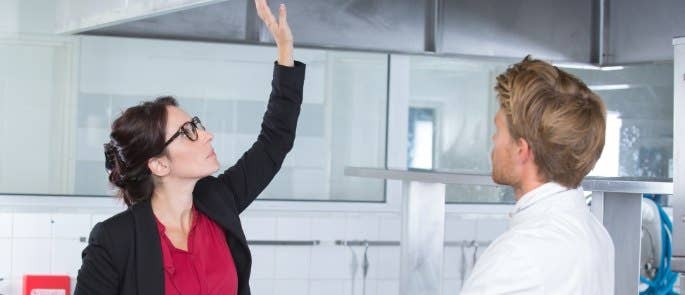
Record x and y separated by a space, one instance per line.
557 114
137 135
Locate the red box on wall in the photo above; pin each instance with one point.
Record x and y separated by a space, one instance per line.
46 285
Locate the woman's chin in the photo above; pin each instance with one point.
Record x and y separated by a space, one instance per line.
216 166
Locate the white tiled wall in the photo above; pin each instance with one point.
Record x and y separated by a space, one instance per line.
45 242
39 243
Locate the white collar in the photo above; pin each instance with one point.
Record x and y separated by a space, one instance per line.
536 195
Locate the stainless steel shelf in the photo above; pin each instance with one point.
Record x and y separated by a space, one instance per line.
594 184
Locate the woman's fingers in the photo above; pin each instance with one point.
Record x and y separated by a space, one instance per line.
280 30
265 14
284 29
282 13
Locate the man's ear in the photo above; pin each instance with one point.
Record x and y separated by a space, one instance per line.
524 151
159 166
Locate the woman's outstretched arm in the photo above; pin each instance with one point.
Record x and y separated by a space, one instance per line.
257 167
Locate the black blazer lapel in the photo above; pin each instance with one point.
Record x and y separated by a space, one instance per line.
211 198
148 258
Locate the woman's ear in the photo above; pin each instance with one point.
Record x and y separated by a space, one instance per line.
159 166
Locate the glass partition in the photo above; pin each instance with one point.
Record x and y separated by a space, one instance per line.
342 122
639 100
64 102
457 96
453 102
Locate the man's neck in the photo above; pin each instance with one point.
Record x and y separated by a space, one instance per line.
525 187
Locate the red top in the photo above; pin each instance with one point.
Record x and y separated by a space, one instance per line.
207 268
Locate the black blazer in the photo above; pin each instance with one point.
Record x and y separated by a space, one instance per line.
124 255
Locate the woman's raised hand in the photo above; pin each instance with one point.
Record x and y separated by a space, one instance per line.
280 31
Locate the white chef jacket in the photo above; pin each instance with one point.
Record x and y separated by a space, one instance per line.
553 245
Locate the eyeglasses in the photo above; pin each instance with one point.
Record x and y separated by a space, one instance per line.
189 129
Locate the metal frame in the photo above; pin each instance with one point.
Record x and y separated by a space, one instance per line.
621 215
678 260
600 42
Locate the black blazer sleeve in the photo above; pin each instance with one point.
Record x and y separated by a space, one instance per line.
258 166
98 274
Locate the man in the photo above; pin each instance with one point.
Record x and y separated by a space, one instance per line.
549 135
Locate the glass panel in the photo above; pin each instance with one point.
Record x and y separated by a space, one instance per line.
639 100
421 138
458 94
342 121
33 126
346 126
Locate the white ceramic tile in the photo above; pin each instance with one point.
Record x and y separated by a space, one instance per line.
292 262
331 262
390 287
469 260
293 228
70 225
451 286
362 227
259 228
16 285
5 257
390 228
263 262
328 228
292 287
262 287
359 286
458 229
5 225
326 287
5 284
30 256
452 264
489 229
371 286
66 256
32 225
388 264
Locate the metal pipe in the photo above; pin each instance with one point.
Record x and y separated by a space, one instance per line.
283 243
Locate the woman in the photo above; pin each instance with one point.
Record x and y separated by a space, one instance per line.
181 233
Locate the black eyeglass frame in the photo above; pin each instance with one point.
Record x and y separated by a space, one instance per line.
189 129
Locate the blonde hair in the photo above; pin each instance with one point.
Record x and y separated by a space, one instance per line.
561 119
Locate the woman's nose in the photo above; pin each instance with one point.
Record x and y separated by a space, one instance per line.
208 135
